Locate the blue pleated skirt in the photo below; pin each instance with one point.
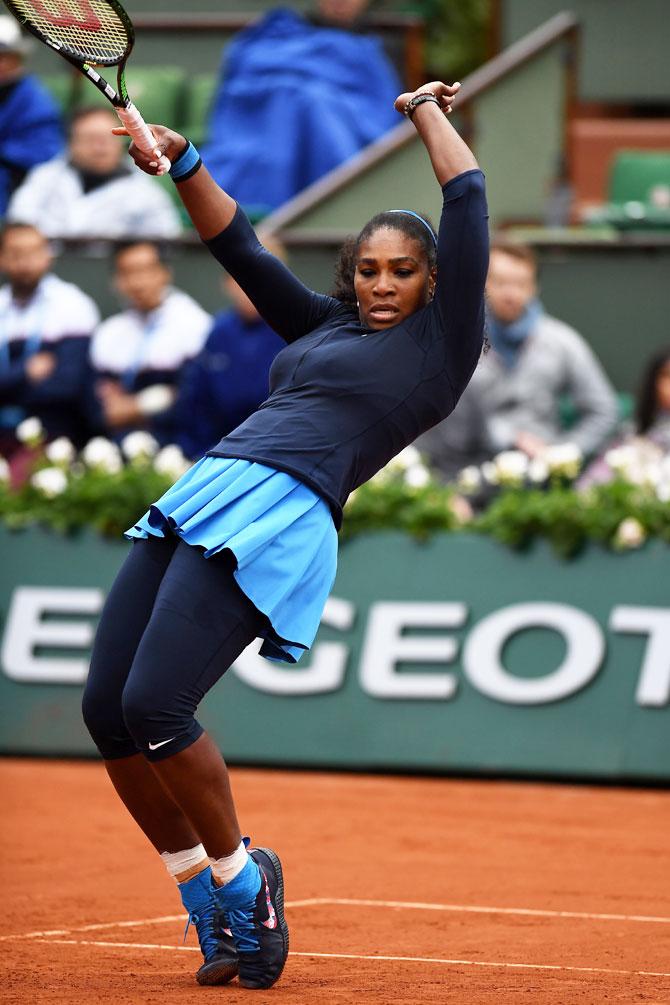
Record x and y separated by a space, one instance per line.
280 531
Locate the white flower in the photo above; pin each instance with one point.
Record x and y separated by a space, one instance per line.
406 459
61 451
538 470
170 461
50 481
619 459
630 533
102 454
470 479
511 467
564 459
4 470
663 491
417 476
30 431
638 462
490 473
139 445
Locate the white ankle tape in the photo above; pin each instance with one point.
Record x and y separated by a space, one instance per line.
226 869
179 861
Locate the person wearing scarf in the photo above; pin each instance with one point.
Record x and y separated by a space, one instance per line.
535 366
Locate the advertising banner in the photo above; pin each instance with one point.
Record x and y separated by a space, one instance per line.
457 655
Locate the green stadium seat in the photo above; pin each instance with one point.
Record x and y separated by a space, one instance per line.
199 96
61 87
158 92
639 192
568 413
635 174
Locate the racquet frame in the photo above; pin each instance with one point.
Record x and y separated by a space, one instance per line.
119 98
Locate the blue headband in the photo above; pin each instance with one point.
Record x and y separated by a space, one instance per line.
416 216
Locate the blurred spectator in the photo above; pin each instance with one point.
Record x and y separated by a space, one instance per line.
297 97
228 380
45 329
514 398
91 191
30 126
652 410
646 442
137 355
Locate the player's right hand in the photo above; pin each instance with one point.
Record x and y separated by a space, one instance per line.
168 143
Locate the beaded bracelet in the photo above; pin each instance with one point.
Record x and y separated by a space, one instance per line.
186 165
417 100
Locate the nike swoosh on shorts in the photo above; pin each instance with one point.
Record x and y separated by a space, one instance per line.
155 746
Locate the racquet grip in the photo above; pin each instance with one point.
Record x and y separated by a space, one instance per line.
142 135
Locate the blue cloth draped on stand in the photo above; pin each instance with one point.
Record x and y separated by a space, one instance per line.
295 100
30 133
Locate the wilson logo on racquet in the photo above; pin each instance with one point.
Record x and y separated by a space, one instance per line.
68 13
89 33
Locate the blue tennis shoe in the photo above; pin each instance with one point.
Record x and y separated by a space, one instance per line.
220 956
253 906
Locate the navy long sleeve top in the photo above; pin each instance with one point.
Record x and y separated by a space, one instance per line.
344 399
225 383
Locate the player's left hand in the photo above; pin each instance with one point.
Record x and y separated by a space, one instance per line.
445 94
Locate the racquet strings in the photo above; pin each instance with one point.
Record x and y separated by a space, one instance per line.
90 30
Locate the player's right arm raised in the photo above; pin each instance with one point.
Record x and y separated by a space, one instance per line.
210 208
285 303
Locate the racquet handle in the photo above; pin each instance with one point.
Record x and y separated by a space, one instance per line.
142 135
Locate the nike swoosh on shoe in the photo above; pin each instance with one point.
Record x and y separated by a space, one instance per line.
271 921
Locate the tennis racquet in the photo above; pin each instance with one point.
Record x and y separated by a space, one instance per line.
90 33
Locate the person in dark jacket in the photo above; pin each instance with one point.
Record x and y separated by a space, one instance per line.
30 126
228 379
45 331
244 545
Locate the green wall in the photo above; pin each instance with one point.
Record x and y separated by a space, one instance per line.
624 49
518 136
452 656
618 298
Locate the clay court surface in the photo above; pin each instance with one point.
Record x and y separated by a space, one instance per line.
399 890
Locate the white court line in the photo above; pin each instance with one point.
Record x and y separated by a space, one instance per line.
384 959
163 919
474 909
96 928
350 902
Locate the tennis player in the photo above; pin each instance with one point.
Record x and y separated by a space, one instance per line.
245 544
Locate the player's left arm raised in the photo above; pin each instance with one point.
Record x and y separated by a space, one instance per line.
462 250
